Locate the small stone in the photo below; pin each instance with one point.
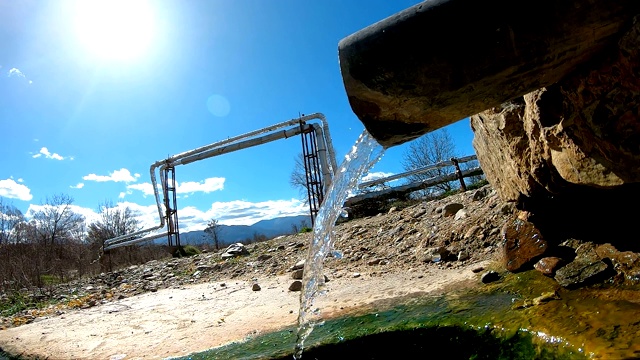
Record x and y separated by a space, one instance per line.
298 265
419 213
489 277
548 265
461 214
463 255
478 269
355 275
481 194
297 274
452 209
393 209
295 286
264 257
374 262
256 287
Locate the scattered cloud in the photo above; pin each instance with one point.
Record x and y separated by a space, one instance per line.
20 180
89 214
122 175
122 195
15 72
146 188
78 186
188 187
12 190
238 212
48 155
206 186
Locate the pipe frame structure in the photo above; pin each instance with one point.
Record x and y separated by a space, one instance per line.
271 133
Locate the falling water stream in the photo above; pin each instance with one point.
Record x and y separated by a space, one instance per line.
363 155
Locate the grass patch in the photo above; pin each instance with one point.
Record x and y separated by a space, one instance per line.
17 302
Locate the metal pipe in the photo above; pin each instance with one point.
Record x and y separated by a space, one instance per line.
241 145
415 171
327 138
135 241
322 154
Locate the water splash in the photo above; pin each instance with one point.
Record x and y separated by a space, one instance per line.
363 155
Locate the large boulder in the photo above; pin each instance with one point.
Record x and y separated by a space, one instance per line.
580 133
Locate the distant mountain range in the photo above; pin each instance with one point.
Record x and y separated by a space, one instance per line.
230 234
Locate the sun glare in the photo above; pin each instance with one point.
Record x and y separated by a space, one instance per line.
114 29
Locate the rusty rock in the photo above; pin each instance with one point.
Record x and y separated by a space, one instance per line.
523 244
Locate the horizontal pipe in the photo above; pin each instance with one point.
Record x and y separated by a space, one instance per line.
242 145
416 171
135 241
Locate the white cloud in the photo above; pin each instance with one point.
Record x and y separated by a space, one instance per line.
20 180
47 154
187 187
146 188
89 215
12 190
207 186
375 175
122 175
79 186
15 72
237 212
121 195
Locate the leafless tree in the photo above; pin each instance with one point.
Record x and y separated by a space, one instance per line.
298 178
430 149
213 231
10 217
114 221
56 222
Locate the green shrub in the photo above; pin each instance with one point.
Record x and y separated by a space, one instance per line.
188 250
305 230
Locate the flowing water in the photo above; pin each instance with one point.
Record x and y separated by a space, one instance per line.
363 155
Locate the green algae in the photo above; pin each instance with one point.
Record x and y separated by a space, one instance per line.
502 320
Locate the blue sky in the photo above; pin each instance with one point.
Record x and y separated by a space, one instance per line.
92 93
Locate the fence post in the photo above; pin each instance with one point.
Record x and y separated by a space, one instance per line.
459 174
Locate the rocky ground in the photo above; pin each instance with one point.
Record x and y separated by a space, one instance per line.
444 234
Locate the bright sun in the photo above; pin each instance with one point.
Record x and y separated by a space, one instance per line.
114 29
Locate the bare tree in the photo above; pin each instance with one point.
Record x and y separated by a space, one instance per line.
427 150
56 222
114 221
213 231
10 217
298 178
